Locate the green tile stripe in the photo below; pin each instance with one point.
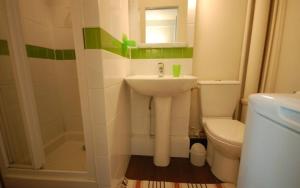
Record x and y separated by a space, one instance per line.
109 43
161 53
39 52
92 38
4 47
47 53
98 38
66 54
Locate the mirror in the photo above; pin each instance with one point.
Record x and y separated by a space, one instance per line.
161 23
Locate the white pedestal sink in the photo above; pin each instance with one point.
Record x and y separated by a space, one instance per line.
162 89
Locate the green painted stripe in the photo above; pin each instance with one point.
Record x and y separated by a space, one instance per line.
4 47
98 38
47 53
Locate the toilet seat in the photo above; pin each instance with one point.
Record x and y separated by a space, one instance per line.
226 130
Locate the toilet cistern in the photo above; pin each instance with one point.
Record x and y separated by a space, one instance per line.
161 69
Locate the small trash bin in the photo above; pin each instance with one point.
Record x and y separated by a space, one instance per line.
197 154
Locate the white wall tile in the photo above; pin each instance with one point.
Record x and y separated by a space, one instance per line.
36 22
103 170
37 34
73 123
119 132
144 145
100 134
94 68
42 71
124 15
97 105
140 125
3 22
216 56
51 129
116 100
6 74
139 104
105 18
35 10
191 11
60 11
110 10
180 126
68 92
191 33
118 120
46 90
119 141
91 13
181 105
180 146
63 38
115 68
47 104
11 111
111 101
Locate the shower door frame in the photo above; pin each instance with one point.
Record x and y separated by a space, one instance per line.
28 106
24 89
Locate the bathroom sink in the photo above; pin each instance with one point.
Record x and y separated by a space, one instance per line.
162 89
166 86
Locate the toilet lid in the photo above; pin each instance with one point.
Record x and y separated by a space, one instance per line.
228 130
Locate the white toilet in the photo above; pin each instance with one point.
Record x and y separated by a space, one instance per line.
219 100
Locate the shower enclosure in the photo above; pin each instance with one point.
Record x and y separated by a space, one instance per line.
40 111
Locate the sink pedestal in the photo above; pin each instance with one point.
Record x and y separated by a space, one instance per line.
162 130
162 88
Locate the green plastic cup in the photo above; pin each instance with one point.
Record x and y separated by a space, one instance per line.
176 70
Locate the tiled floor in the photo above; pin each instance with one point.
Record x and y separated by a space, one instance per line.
68 156
179 170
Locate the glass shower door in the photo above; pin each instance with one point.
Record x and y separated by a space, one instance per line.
11 122
20 139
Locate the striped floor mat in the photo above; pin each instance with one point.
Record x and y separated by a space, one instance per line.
161 184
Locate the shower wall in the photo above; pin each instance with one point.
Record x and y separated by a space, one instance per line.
47 31
66 69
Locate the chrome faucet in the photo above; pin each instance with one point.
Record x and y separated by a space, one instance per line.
161 69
